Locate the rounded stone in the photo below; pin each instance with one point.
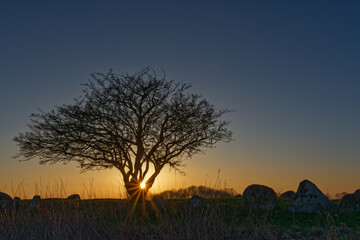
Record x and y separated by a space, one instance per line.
35 202
4 196
350 202
196 202
309 198
73 197
260 197
288 194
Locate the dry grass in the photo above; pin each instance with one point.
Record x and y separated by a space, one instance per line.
221 218
105 219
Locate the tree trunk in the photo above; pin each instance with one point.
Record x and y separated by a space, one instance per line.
136 193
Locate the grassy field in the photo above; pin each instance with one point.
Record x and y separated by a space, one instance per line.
223 218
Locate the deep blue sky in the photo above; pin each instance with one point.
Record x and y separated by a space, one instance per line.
290 70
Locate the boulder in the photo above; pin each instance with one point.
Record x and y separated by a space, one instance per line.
288 194
16 202
160 203
74 197
4 196
196 202
260 197
350 202
7 205
6 202
309 198
35 203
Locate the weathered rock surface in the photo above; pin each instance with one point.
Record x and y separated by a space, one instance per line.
160 203
35 203
6 202
260 197
288 194
74 197
196 202
4 196
309 198
350 202
16 202
7 205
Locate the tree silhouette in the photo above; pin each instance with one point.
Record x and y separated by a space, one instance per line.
136 123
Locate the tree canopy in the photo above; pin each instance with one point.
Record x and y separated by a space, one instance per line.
137 123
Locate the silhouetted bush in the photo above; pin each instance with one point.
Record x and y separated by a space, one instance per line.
202 191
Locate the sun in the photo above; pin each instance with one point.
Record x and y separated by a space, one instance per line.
142 185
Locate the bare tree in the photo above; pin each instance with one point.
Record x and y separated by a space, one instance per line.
136 123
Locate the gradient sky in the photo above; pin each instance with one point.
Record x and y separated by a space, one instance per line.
289 69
